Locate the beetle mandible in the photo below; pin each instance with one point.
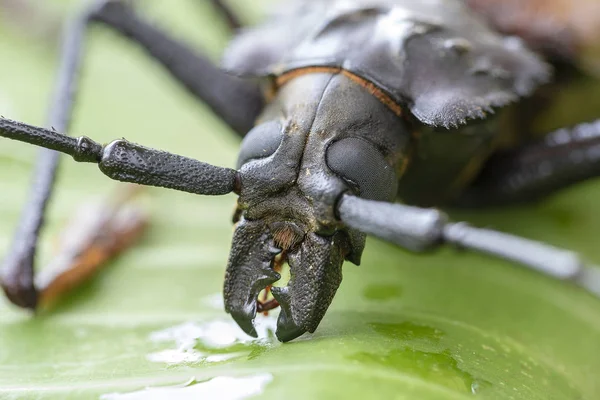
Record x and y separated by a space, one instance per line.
363 102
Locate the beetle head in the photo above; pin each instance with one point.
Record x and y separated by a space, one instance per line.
289 188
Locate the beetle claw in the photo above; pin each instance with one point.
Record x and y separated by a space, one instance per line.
286 327
316 273
315 269
245 321
250 270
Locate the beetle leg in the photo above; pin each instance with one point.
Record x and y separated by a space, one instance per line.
202 78
421 229
17 269
119 160
535 170
237 102
107 229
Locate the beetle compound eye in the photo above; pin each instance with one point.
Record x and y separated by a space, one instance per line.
362 164
262 141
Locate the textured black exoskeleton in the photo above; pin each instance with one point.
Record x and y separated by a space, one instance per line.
360 103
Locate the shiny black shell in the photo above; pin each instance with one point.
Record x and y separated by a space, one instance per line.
434 57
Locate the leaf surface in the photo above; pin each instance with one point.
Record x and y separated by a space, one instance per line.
448 325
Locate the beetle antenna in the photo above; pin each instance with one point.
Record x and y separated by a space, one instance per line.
420 229
129 162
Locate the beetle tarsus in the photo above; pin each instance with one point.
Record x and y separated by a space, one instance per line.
20 290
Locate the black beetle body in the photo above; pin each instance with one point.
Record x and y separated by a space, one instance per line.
355 85
323 137
365 102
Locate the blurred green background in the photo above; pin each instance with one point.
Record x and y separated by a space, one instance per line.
450 325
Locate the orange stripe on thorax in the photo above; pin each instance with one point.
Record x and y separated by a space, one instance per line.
370 86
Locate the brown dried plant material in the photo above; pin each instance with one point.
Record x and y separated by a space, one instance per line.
97 234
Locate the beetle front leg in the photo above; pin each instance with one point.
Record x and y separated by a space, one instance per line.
235 101
420 229
107 228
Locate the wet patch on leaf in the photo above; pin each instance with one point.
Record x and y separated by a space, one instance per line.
211 342
441 368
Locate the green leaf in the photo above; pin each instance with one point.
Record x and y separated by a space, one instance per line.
449 325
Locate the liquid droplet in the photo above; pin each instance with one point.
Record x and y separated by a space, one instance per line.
478 385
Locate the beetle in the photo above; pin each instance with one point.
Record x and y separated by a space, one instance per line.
362 103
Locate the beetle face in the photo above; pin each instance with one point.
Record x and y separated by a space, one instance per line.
285 218
290 186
